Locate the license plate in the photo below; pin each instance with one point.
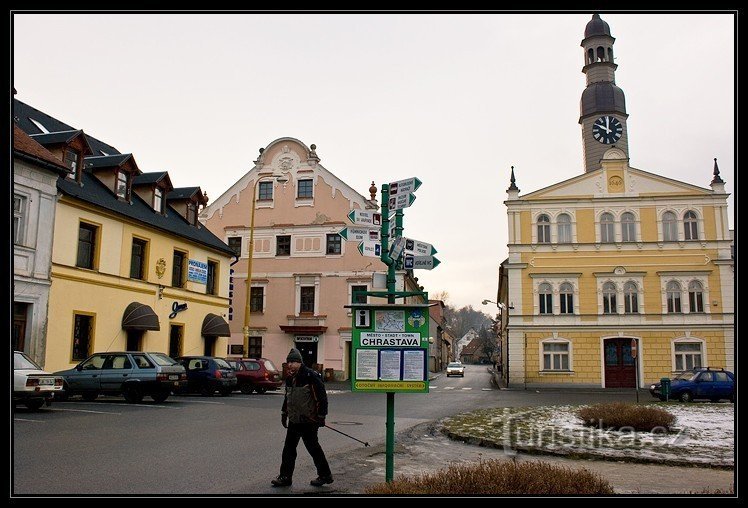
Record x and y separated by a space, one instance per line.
46 381
174 377
176 383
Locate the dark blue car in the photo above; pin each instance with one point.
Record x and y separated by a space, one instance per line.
702 383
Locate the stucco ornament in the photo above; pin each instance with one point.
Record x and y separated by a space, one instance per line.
160 267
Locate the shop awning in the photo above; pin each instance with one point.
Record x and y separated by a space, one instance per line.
215 326
139 316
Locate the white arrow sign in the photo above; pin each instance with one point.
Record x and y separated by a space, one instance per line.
400 201
370 249
359 233
418 248
407 186
365 218
420 262
397 247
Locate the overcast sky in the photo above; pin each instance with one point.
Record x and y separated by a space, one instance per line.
453 99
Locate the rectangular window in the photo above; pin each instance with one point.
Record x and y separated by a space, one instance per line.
607 232
137 259
687 355
19 218
631 303
555 356
357 294
673 302
544 233
696 301
70 159
334 243
82 336
567 303
86 245
122 184
628 230
307 299
256 299
546 303
192 213
211 286
158 199
283 245
305 189
177 270
266 190
255 347
235 244
609 303
564 233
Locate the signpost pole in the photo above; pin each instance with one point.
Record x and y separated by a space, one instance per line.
385 257
635 354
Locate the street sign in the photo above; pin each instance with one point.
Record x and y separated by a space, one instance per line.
407 186
633 348
370 249
420 262
418 248
359 233
400 201
365 218
397 247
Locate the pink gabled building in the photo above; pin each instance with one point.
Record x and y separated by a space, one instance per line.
303 271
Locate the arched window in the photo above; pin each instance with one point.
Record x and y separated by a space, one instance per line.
609 298
630 298
610 54
590 56
564 228
695 296
673 297
628 227
600 54
546 298
690 227
607 228
544 229
669 227
567 298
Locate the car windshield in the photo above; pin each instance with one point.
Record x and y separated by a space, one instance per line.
222 363
233 364
270 366
455 365
162 359
688 375
23 362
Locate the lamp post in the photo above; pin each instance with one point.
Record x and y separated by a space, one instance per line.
280 179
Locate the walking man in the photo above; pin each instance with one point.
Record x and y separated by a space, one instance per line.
303 413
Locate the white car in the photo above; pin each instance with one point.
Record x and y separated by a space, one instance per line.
455 369
31 385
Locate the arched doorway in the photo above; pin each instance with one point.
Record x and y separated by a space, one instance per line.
620 366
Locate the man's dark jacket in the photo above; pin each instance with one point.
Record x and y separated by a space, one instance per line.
306 399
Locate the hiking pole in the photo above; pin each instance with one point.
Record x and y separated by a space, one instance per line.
346 435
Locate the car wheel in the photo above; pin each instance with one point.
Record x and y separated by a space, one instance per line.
160 396
261 390
246 388
34 404
63 395
132 394
686 397
89 396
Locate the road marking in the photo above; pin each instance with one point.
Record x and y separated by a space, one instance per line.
122 404
449 387
432 386
202 401
469 388
86 411
487 389
25 420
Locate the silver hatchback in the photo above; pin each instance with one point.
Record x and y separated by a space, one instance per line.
132 374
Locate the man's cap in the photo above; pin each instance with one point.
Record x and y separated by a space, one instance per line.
294 356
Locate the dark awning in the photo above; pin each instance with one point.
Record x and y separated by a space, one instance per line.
139 316
215 326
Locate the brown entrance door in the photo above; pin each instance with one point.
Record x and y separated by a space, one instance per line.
620 369
20 313
308 352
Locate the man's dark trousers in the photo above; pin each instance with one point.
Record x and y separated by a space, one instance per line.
307 432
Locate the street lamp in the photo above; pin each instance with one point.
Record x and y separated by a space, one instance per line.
280 179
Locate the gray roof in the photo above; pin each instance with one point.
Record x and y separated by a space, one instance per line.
182 193
107 161
602 97
596 26
56 137
149 178
95 192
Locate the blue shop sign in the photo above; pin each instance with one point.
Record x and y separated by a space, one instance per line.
197 271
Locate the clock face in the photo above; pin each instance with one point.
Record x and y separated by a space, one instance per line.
607 129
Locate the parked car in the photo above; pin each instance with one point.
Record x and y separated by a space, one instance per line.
256 374
206 374
701 383
32 385
455 369
132 374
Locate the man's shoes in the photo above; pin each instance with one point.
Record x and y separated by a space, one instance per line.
321 480
282 481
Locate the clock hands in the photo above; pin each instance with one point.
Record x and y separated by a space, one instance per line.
603 127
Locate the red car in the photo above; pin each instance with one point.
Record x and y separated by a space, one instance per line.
256 374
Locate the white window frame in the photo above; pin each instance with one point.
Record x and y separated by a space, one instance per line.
626 298
20 217
566 238
264 286
687 340
543 295
687 229
307 280
670 225
298 188
562 295
679 296
158 200
609 227
569 353
628 227
613 305
545 227
702 291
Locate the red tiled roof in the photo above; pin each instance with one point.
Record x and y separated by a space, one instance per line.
24 144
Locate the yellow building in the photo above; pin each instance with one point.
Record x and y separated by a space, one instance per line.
132 267
617 274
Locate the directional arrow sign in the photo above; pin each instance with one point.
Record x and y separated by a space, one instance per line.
407 186
397 248
370 249
420 262
365 218
359 233
418 248
400 201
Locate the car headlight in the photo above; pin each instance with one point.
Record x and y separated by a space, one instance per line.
652 387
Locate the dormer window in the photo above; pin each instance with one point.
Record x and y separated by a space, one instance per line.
158 200
70 159
123 185
192 213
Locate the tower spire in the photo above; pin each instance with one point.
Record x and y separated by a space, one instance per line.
716 178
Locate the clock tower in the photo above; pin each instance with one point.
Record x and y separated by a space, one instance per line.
603 105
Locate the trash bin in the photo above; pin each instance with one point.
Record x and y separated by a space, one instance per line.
665 388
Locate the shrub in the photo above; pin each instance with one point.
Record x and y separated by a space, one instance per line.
618 415
499 477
